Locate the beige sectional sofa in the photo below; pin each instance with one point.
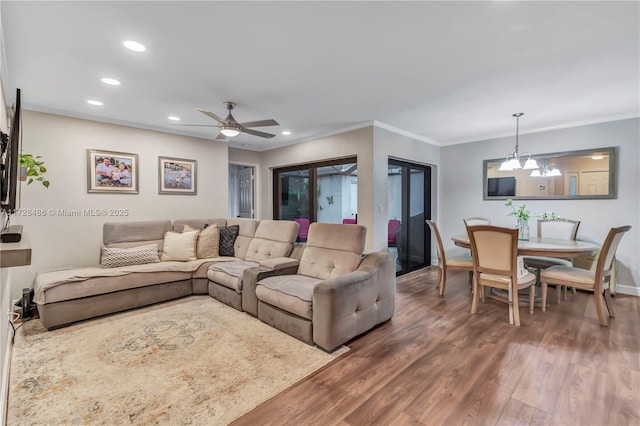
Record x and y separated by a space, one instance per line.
342 299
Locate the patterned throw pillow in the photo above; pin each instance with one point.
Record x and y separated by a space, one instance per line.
208 242
112 257
179 246
228 236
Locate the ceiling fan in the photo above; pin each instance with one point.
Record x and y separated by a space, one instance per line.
230 127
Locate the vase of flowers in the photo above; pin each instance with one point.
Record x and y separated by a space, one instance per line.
523 215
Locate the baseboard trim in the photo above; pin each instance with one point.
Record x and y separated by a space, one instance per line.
628 289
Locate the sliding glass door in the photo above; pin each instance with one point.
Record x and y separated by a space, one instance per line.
409 200
319 192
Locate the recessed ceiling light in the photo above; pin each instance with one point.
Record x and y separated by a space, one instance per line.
286 132
134 45
94 102
173 118
111 81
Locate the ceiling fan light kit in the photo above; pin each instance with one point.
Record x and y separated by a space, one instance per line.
230 127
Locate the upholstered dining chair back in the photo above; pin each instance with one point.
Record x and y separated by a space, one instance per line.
496 248
473 221
561 229
495 264
460 262
608 250
597 281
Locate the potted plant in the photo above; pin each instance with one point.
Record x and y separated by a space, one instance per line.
523 215
33 169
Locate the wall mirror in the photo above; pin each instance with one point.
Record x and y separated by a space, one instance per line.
584 174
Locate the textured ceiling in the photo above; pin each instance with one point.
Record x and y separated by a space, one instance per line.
449 72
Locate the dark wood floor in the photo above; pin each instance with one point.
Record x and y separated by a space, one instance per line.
435 363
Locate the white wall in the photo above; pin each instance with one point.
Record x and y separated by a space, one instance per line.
59 241
461 188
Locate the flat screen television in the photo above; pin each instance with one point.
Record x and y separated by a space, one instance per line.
501 187
9 161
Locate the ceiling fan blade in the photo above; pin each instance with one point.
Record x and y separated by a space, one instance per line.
220 137
212 115
260 123
195 125
257 133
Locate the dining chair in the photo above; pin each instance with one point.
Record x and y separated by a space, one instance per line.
473 221
303 231
559 229
494 251
596 281
392 230
450 261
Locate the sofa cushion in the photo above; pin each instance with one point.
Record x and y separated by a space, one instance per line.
179 224
228 235
179 246
208 244
273 238
292 293
332 250
112 257
55 286
229 274
135 234
245 234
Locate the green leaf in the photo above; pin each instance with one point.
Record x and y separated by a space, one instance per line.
46 183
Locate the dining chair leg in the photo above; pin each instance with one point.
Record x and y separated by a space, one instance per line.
443 281
515 307
564 293
544 296
474 300
532 297
597 297
558 292
609 302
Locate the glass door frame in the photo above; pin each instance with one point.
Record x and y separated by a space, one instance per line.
406 167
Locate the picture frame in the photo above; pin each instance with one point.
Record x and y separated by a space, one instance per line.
112 172
177 176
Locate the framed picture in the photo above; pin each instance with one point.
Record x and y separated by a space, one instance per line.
177 176
115 172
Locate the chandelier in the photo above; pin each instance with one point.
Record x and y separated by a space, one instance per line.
513 161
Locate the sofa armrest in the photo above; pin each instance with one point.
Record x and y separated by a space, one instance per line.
349 305
278 263
250 278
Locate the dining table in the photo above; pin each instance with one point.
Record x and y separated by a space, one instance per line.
538 246
548 247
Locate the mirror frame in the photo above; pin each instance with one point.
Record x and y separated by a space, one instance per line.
613 181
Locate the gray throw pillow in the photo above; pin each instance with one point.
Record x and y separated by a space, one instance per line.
228 236
112 257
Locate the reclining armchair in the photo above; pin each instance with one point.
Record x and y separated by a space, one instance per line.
336 293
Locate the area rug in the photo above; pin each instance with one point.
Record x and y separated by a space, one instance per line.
188 361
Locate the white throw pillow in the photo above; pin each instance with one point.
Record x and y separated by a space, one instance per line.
180 246
113 257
